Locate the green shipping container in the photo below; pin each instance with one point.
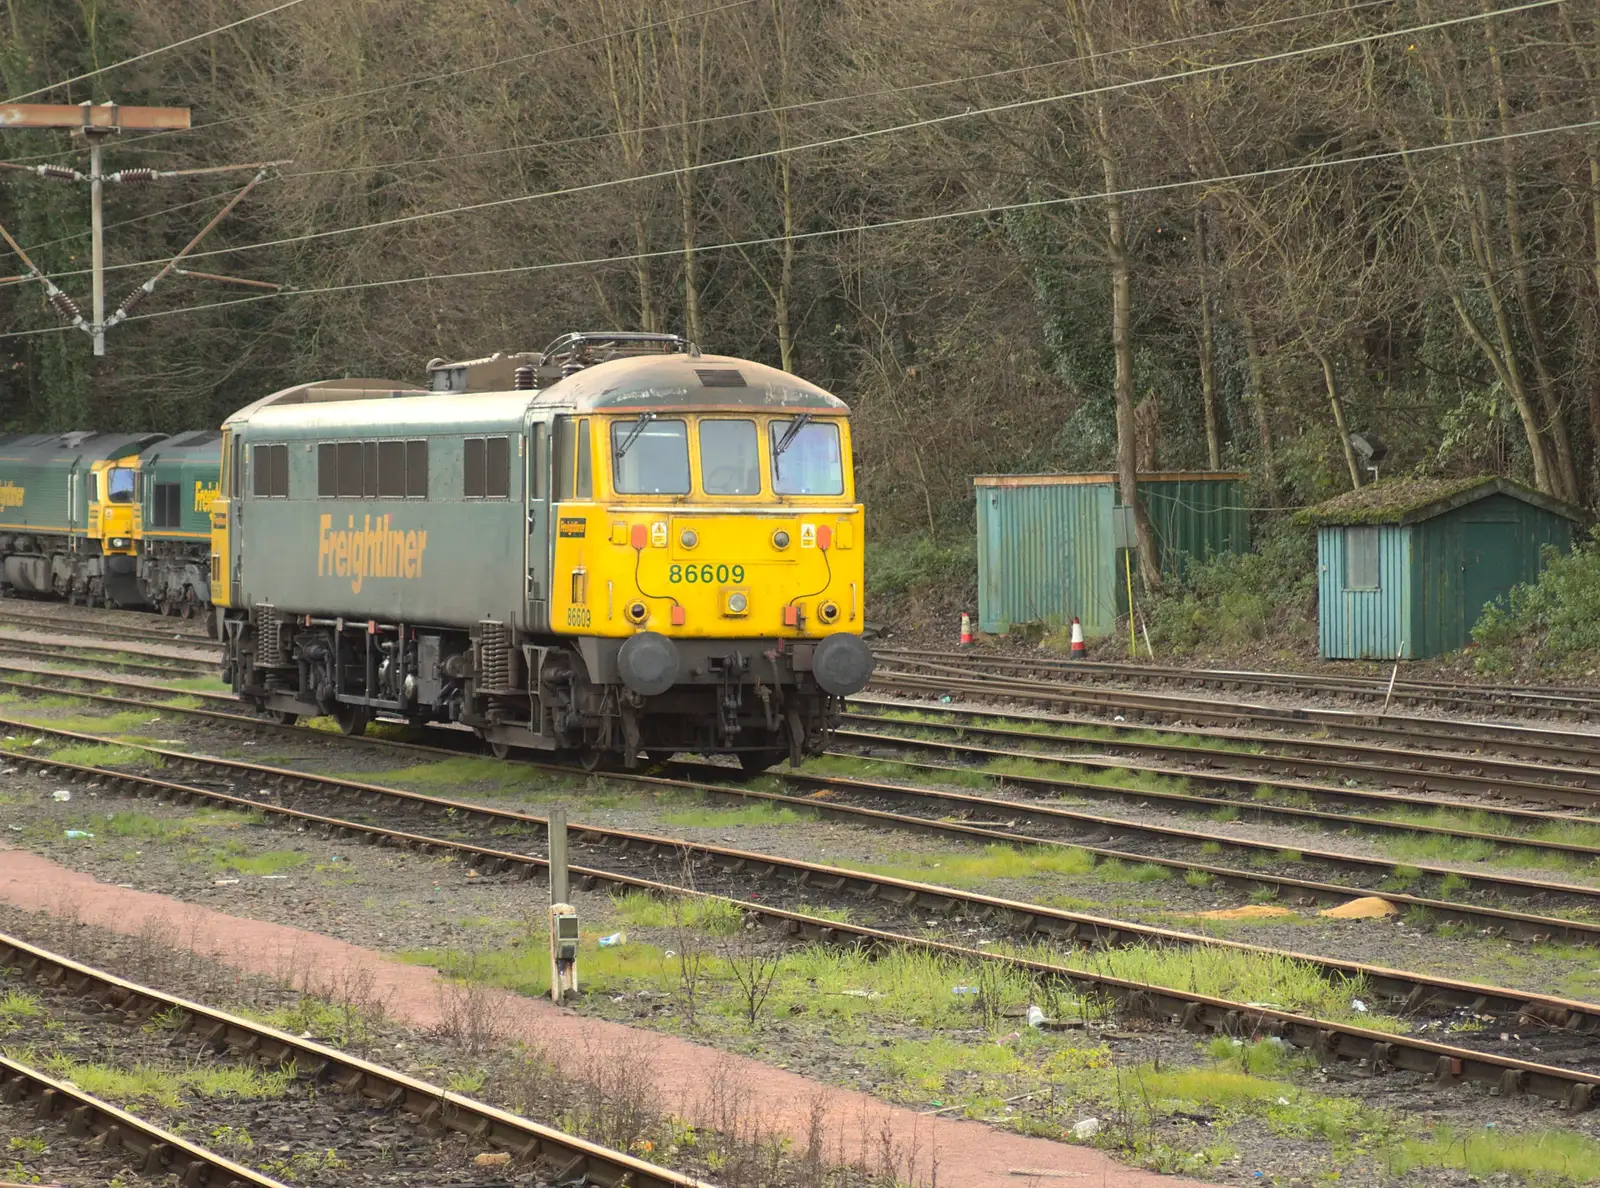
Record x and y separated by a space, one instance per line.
1406 566
1047 543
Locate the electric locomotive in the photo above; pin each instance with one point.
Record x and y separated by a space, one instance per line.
616 547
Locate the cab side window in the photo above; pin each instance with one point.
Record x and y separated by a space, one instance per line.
270 465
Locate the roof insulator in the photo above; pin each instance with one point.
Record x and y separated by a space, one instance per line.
522 379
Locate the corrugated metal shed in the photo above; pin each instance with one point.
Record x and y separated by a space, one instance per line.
1047 549
1406 567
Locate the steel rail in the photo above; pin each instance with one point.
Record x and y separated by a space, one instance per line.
1343 683
1506 922
1262 809
1378 1051
1527 926
1568 703
159 1151
110 630
1327 793
1025 918
1430 770
1524 741
117 658
434 1107
1070 818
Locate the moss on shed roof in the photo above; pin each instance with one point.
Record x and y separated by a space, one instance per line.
1405 501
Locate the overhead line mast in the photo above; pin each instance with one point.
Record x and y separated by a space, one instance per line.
95 122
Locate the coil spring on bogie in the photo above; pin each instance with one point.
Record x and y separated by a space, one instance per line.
269 638
494 657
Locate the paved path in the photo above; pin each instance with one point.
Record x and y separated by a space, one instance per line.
701 1083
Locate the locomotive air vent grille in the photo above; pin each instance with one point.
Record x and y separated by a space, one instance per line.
720 377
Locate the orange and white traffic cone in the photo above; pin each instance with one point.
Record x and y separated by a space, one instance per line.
1079 651
966 630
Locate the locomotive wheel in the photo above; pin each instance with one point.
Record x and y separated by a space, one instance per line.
756 762
188 608
283 717
592 758
500 750
352 719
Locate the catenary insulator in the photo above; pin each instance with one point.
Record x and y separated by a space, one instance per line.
135 177
133 299
65 306
58 172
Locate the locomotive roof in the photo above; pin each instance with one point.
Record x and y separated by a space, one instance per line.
64 448
692 383
204 443
686 381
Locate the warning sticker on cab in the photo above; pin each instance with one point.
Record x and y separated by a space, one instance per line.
572 526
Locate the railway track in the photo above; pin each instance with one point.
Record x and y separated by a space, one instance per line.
116 659
991 819
573 1160
949 672
157 1151
106 628
1575 1087
1544 700
265 785
1521 741
1273 754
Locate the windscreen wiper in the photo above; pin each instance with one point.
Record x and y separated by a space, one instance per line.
633 434
789 434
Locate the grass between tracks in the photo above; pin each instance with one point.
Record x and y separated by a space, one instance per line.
1047 731
948 1034
1521 850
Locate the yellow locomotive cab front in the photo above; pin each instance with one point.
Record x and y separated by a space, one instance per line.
710 525
114 517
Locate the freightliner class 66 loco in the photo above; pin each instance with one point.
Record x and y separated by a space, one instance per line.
617 547
111 519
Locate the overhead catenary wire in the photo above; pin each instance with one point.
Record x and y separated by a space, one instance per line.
56 86
868 134
890 224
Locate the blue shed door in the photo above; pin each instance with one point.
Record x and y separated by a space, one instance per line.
1488 566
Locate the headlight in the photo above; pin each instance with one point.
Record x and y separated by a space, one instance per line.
636 612
738 603
689 538
828 613
780 539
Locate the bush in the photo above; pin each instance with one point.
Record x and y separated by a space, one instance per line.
1235 600
914 564
1554 621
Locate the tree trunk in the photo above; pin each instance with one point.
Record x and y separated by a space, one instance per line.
627 102
1503 363
1208 369
1337 403
1555 417
1122 348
